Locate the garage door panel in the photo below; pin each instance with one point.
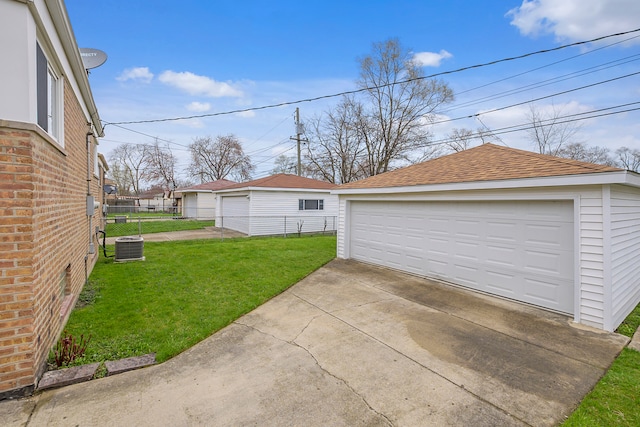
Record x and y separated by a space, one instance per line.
521 250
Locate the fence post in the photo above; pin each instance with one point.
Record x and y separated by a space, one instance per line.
139 226
285 226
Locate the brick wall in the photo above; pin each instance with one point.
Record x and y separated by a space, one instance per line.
44 240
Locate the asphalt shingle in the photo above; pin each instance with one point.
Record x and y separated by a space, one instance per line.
487 162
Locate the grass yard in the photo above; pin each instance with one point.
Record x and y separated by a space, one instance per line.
130 228
185 291
614 400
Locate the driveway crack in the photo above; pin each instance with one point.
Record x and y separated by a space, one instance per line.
319 365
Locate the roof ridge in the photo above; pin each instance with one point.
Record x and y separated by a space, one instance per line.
549 157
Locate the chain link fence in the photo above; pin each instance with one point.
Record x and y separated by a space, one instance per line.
138 223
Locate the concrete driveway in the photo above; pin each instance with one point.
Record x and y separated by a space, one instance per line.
353 345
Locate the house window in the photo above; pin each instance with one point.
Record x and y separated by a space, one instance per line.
49 96
310 204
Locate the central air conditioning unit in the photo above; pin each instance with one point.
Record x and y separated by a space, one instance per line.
129 248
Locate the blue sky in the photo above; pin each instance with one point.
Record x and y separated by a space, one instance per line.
171 59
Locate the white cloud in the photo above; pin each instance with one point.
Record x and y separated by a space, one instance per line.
138 73
575 20
431 59
198 85
199 107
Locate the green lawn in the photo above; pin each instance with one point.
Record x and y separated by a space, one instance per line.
185 291
130 228
614 400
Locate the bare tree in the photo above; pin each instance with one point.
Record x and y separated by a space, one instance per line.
460 139
549 132
628 159
337 150
161 166
128 168
284 164
584 153
222 157
399 103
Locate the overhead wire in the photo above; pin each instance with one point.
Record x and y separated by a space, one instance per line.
369 88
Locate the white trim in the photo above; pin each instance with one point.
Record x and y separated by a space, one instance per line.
618 177
297 190
607 292
577 251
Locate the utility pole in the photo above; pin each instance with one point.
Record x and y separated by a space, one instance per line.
298 140
298 129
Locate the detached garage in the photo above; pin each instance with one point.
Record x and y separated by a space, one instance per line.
199 201
279 204
556 233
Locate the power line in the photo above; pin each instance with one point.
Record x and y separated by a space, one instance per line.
570 118
318 98
575 74
536 99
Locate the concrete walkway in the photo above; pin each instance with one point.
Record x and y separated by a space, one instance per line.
349 345
203 233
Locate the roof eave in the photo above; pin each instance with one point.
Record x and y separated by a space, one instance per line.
306 190
600 178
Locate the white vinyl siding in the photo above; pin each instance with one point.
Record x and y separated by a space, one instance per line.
625 250
591 255
277 212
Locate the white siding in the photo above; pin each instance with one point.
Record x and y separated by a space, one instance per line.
18 47
591 256
625 251
276 212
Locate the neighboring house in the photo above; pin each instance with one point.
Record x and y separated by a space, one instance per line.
157 200
278 204
51 179
552 232
199 201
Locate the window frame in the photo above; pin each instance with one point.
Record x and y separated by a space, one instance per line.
304 204
49 97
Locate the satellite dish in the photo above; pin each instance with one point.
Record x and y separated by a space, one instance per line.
92 58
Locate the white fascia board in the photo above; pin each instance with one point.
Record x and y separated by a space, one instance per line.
289 190
621 177
196 191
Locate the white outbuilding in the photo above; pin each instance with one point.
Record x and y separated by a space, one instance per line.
556 233
199 201
279 204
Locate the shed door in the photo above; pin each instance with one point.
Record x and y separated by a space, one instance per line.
521 250
235 213
190 203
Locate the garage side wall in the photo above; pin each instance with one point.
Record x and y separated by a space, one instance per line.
277 212
592 258
625 251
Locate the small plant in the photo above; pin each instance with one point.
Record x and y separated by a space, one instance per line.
67 349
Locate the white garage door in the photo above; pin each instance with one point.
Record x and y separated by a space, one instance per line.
190 203
235 213
519 250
